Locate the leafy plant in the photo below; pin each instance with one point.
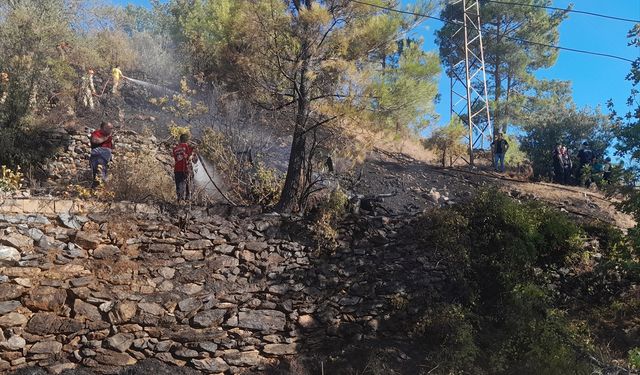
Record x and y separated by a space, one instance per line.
447 142
10 180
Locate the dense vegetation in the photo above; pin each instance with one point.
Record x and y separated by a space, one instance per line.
532 290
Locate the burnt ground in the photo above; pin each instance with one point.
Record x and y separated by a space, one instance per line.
417 186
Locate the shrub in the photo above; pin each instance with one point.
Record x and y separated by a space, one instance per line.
325 218
447 142
634 358
505 322
139 176
265 185
448 327
10 180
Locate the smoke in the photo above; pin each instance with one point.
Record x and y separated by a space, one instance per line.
202 182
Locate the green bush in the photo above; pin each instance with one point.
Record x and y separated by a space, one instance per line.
506 323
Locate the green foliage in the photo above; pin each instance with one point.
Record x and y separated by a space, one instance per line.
407 78
510 64
451 338
506 323
447 142
514 156
634 358
558 121
628 137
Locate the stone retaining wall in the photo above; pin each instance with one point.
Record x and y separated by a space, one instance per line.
104 286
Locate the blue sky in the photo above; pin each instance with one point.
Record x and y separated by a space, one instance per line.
594 79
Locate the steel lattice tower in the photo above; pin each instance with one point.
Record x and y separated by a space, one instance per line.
469 99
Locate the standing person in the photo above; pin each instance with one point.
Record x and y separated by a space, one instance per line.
607 169
500 147
116 76
101 151
183 154
567 165
4 87
558 166
88 89
585 157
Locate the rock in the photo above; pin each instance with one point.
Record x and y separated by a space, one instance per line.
210 365
72 251
190 304
167 272
112 358
18 241
190 289
151 308
126 310
168 358
280 349
46 298
88 240
46 347
209 318
198 245
218 262
193 255
23 281
262 320
35 234
307 322
250 358
48 323
69 221
82 281
10 292
162 248
186 353
106 252
14 343
9 254
120 341
208 346
87 310
12 319
256 246
9 306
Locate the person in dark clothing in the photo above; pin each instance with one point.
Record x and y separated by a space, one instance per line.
567 165
183 154
500 147
606 170
585 157
101 152
558 165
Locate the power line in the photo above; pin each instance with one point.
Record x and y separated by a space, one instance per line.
565 10
491 32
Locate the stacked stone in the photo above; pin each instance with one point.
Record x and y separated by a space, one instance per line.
220 295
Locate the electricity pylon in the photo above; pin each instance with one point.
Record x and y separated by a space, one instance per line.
469 98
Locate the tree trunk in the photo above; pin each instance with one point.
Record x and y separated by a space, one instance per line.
294 182
497 79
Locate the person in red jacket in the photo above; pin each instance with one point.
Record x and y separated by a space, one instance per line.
183 154
101 151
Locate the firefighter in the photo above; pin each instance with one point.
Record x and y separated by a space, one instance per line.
116 76
88 89
183 154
